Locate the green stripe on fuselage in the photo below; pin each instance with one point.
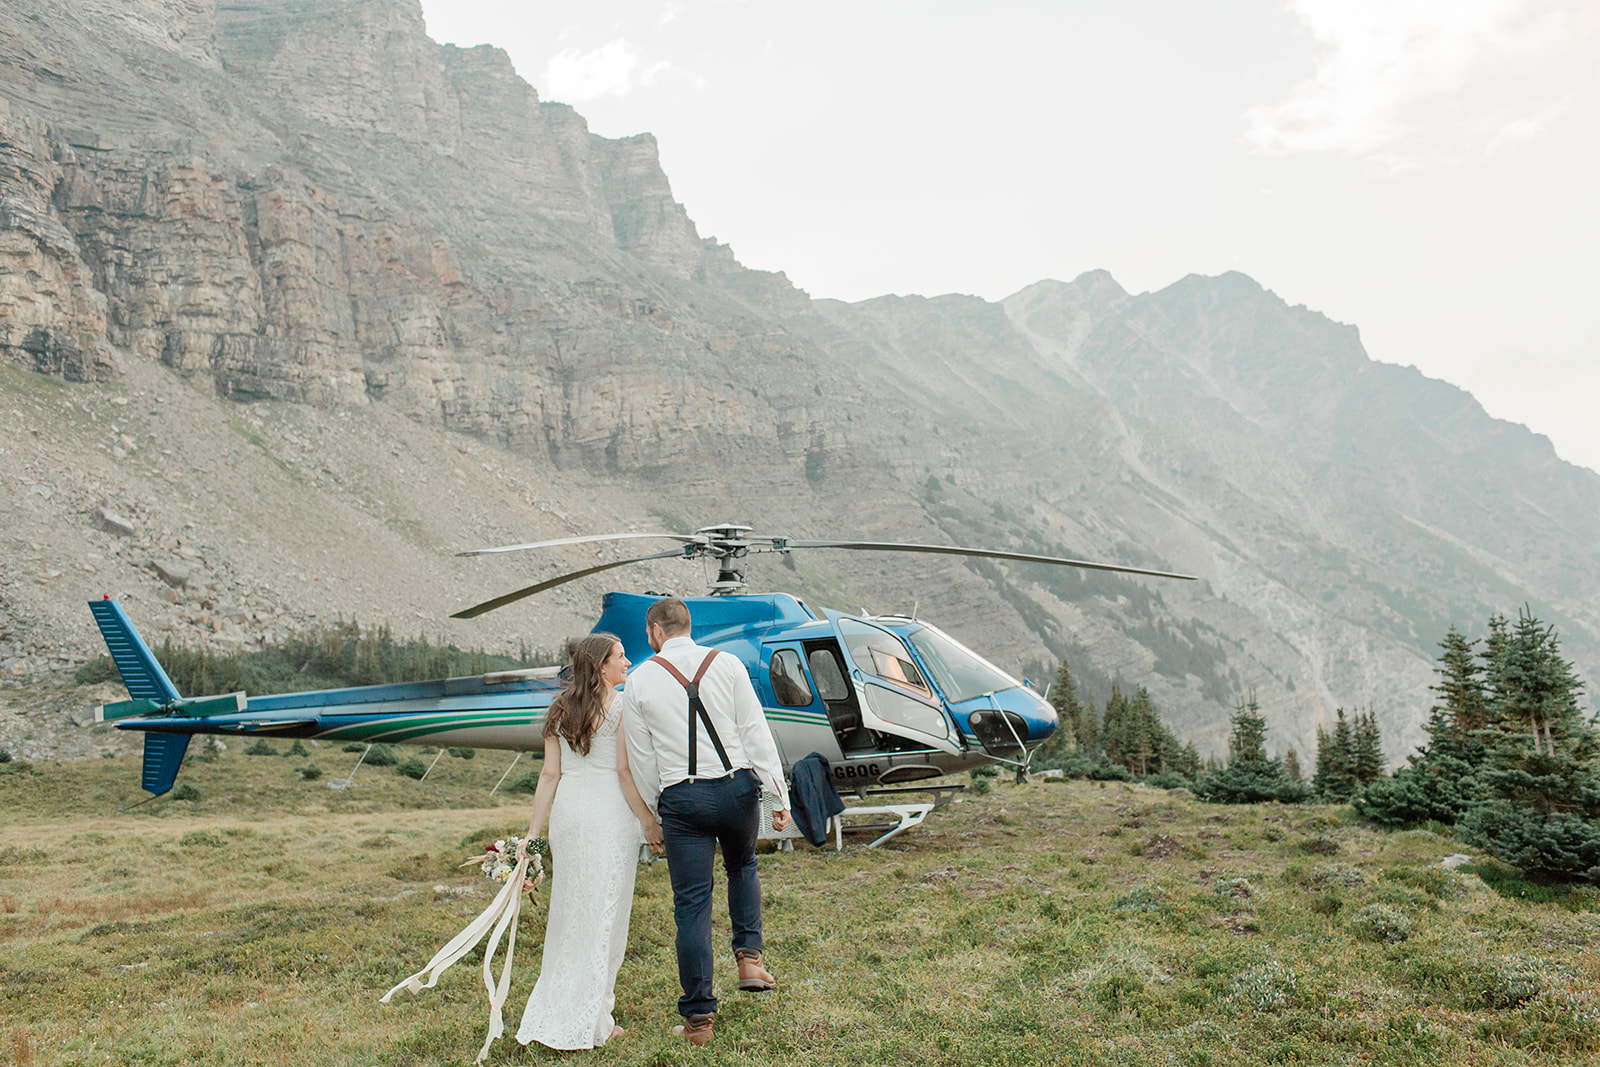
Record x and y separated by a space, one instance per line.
404 727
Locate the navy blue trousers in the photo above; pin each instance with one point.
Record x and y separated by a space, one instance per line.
695 818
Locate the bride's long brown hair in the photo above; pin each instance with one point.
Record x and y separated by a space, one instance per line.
577 712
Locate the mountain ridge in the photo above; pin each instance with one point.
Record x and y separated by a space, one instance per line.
317 216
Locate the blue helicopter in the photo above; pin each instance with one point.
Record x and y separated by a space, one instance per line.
887 699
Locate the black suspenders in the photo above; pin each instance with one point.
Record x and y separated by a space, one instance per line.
697 711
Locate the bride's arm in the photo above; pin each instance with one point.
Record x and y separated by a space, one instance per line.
544 794
630 792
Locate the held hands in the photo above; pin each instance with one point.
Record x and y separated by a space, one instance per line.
781 820
654 839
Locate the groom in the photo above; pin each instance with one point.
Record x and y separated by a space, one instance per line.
701 753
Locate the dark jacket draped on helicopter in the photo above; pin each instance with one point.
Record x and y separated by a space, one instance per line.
815 801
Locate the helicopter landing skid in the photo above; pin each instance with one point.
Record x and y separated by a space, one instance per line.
905 815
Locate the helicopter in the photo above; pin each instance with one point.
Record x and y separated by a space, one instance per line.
886 699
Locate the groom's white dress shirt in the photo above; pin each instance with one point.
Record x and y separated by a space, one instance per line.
655 721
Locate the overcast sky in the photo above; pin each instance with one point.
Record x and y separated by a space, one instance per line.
1424 169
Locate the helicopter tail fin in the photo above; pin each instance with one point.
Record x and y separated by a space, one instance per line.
142 675
150 689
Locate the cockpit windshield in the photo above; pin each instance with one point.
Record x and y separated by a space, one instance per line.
961 674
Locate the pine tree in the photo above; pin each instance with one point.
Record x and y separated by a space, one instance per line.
1336 781
1250 776
1089 727
1542 760
1190 761
1366 753
1113 725
1291 766
1064 698
1440 782
1461 710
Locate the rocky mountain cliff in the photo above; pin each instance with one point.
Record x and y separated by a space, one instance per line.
365 300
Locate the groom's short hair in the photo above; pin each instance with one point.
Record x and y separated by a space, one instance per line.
670 613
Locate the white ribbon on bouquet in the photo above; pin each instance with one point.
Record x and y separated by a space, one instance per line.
499 917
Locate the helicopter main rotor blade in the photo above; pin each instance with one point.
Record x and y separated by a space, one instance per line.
687 539
501 601
955 550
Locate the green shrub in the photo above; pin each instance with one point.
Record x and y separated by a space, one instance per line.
1327 903
186 791
528 783
1337 874
262 747
1234 888
298 749
382 756
1143 898
100 669
1118 989
462 752
1320 845
1106 771
310 772
1440 789
1266 986
1435 881
5 757
1512 883
1510 982
1380 922
353 746
411 768
1169 780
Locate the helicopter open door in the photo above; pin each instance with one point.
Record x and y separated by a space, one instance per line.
892 695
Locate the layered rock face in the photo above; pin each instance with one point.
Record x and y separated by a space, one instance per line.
373 216
310 203
52 318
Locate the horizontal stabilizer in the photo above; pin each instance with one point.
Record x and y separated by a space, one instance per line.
135 662
163 755
122 709
198 707
188 707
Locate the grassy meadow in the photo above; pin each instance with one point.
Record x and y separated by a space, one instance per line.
1037 924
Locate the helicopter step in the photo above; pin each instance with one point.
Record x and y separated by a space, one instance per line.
942 794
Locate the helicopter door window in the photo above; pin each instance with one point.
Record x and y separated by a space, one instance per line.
789 679
830 679
880 654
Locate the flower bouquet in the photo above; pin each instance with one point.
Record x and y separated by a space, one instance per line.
499 861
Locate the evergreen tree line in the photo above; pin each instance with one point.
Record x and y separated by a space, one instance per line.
1126 741
1347 759
345 654
1510 760
1123 741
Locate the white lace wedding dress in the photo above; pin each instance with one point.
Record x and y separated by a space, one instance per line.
594 843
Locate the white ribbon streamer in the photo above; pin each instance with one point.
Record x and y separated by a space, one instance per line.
500 916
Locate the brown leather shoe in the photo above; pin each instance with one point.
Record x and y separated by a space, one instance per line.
753 977
698 1030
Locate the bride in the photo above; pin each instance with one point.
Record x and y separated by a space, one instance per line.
596 815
